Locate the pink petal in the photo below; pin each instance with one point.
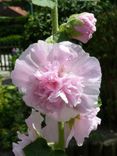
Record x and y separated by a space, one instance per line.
35 120
62 52
83 126
65 114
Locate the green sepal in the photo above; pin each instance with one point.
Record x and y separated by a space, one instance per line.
58 37
44 3
74 20
69 30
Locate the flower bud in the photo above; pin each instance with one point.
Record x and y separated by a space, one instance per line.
80 26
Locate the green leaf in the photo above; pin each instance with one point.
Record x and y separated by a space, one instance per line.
38 148
44 3
41 148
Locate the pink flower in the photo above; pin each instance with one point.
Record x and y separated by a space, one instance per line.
59 79
81 26
82 126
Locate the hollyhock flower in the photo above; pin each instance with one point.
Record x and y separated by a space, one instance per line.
80 26
59 80
81 126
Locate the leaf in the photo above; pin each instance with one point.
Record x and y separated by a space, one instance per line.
38 148
44 3
41 148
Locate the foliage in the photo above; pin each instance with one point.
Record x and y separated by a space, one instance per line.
37 27
39 24
12 26
11 40
13 112
11 31
40 148
13 20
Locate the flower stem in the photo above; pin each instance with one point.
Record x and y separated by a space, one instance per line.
54 15
60 144
61 135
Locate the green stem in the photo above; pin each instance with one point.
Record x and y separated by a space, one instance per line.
54 15
61 135
60 144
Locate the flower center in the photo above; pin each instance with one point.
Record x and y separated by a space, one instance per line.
56 88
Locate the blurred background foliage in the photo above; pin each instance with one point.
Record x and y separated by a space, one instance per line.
22 31
13 111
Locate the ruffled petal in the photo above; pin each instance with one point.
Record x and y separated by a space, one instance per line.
83 126
62 52
34 123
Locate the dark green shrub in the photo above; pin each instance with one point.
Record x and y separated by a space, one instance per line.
37 27
13 20
11 40
12 26
13 112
